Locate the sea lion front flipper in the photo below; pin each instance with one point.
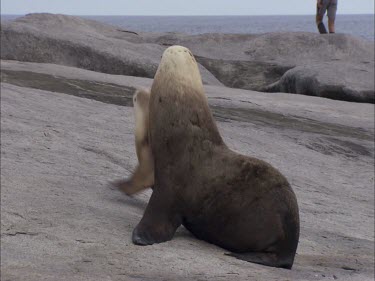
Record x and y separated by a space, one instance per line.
142 178
127 186
159 222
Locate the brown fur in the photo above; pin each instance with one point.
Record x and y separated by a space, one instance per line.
236 202
143 175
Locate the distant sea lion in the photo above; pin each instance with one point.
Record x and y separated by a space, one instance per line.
143 175
239 203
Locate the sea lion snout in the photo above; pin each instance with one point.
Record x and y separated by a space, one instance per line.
178 63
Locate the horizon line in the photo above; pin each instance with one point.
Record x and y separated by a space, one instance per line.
176 15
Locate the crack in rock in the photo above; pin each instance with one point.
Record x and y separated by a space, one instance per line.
21 233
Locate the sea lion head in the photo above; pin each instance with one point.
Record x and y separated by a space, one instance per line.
141 99
178 64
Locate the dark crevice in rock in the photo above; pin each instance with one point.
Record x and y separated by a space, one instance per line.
127 31
21 233
332 146
250 75
122 95
104 92
336 139
284 122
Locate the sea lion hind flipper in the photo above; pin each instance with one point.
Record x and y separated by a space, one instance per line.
159 222
267 259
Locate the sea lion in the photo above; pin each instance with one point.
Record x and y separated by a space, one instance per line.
143 175
239 203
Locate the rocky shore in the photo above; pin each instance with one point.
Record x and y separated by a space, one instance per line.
335 66
67 129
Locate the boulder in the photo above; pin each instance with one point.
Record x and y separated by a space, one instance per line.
335 66
262 62
73 41
340 81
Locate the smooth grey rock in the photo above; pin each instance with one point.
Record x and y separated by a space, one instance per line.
73 41
336 66
340 81
60 221
281 47
76 42
255 62
252 75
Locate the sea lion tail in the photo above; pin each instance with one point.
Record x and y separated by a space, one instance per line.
267 259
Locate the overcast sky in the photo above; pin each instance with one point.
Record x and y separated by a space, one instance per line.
179 7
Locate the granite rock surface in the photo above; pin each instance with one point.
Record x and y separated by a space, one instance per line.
336 66
66 132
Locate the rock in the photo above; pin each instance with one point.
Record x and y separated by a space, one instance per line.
340 81
59 150
252 75
76 42
335 66
73 41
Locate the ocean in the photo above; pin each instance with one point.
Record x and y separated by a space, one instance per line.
357 25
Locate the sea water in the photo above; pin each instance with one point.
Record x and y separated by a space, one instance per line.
357 25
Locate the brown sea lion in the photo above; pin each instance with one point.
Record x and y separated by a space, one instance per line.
143 175
239 203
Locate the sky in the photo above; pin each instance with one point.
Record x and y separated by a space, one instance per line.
179 7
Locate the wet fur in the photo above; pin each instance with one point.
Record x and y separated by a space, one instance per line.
237 202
